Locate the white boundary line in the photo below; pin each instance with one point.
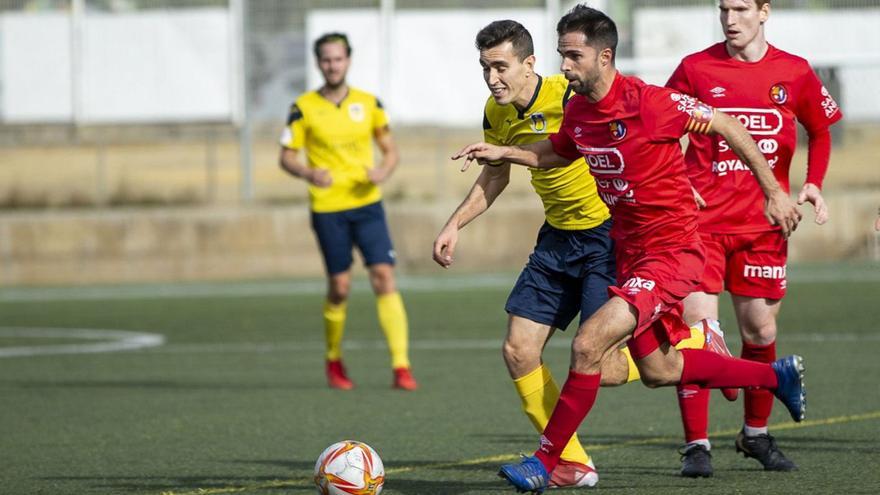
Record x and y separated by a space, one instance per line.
108 341
122 340
443 344
421 283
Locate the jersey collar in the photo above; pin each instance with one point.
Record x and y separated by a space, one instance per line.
521 114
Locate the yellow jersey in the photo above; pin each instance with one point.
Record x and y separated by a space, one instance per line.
337 138
568 193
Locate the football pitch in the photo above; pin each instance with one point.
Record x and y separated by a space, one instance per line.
219 388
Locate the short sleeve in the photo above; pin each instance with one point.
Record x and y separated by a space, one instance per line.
380 117
293 135
816 109
679 81
564 146
670 114
489 134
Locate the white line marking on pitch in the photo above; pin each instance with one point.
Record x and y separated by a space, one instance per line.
104 341
439 344
420 283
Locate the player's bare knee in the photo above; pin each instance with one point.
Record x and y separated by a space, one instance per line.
382 279
759 332
338 290
520 358
586 351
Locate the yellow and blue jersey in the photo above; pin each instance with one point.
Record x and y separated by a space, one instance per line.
568 193
337 138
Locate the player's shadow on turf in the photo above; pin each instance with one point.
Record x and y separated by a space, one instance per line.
158 484
447 487
606 439
155 385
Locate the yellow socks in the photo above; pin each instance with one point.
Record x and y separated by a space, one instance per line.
696 341
539 394
632 372
334 327
392 319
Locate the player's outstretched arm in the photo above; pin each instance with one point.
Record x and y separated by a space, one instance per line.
488 186
537 155
291 163
778 207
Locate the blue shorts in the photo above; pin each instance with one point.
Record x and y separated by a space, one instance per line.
568 272
340 231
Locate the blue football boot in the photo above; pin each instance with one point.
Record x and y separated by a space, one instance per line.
790 390
527 476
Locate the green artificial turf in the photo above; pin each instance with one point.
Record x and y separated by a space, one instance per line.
235 401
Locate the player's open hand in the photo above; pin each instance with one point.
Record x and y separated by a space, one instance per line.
877 222
444 246
780 210
320 178
377 175
482 153
812 194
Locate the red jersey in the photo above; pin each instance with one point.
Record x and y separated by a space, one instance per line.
630 141
767 97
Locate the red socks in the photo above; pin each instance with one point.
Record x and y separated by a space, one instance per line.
694 404
575 400
758 401
711 370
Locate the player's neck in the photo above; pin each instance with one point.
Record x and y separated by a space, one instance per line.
603 85
527 95
752 52
335 93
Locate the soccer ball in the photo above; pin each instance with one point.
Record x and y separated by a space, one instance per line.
349 468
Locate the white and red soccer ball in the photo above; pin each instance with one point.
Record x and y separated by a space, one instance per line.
349 468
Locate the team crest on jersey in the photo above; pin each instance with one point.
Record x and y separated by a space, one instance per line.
537 122
618 129
356 112
778 94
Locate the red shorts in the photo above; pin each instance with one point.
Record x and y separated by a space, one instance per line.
750 265
654 283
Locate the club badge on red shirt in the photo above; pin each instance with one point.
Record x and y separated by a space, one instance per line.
778 94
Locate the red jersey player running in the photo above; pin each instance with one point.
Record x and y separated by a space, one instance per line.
629 132
767 90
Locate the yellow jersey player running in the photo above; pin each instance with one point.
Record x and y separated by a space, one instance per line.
572 263
337 125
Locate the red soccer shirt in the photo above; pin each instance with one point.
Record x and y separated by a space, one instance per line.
767 97
630 140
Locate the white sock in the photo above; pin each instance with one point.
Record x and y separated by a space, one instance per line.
703 441
753 431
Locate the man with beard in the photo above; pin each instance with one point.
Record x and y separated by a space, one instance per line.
628 132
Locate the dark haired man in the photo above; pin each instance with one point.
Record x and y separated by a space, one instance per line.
572 264
768 90
628 132
337 125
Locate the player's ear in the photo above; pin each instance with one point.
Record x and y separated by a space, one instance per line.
764 13
606 56
530 63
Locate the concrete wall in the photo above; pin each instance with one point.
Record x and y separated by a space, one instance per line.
202 244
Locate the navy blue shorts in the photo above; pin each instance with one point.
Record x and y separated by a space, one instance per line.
568 272
340 231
